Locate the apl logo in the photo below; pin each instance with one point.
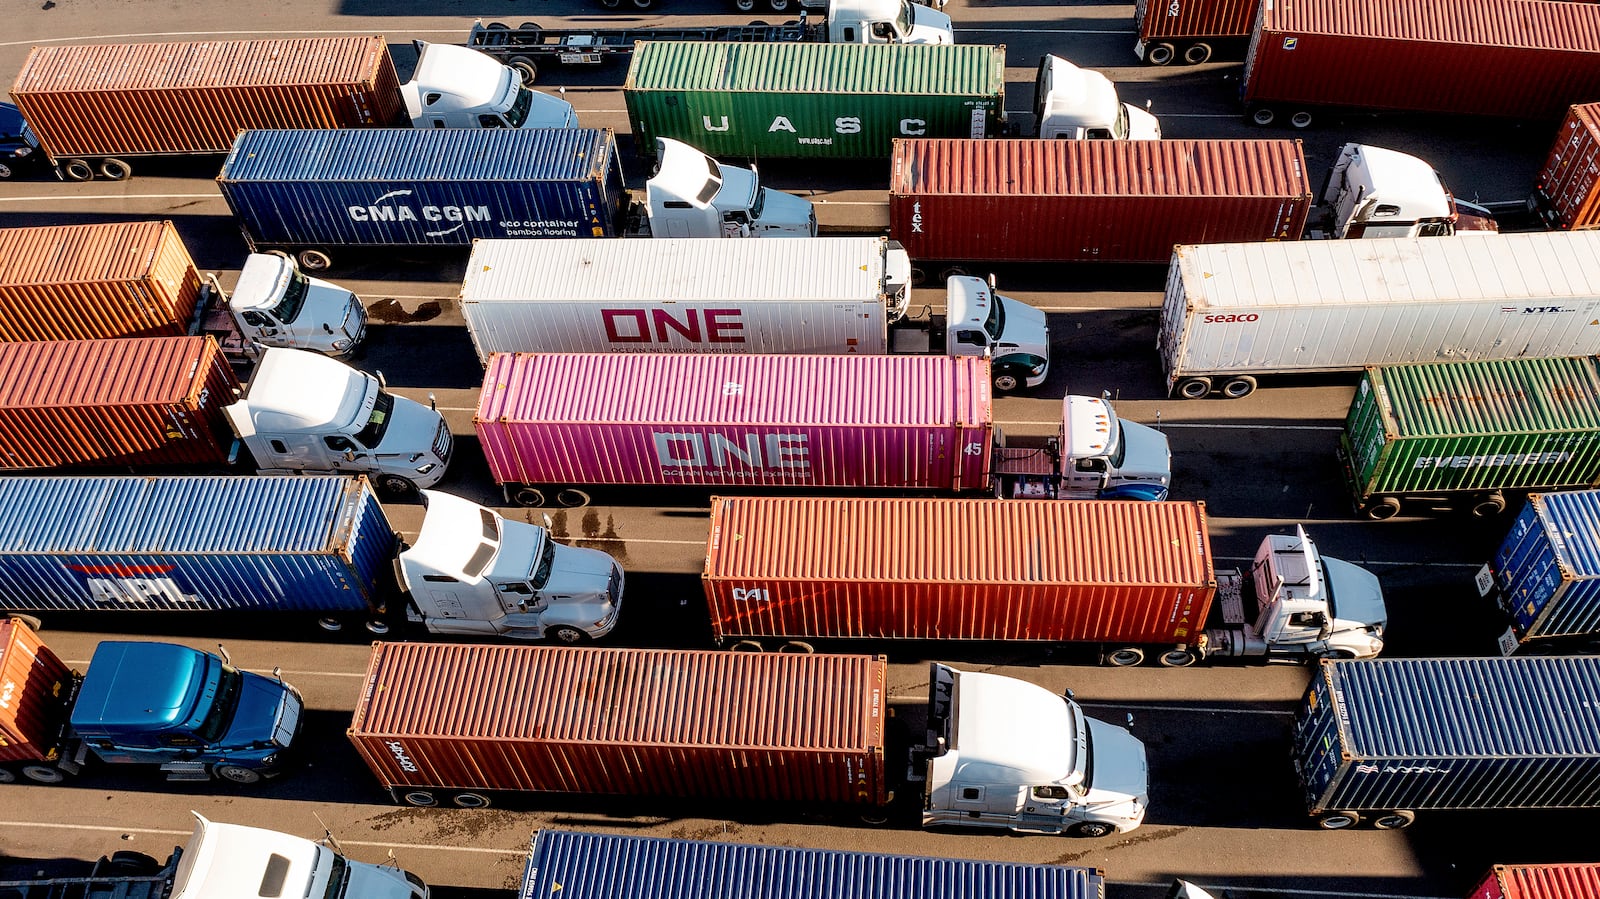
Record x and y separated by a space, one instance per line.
116 584
378 212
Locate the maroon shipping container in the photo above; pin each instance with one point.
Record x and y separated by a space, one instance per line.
962 569
196 96
1521 59
438 722
1092 200
1577 881
35 687
136 401
1567 192
1191 30
82 282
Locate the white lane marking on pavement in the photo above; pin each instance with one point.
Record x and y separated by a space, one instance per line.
156 831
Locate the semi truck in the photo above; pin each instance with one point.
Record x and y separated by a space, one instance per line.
173 403
85 110
308 193
955 200
137 279
1074 103
1237 312
556 425
1194 31
191 714
1543 576
316 546
846 295
1381 739
1470 433
227 860
471 725
1531 59
1135 580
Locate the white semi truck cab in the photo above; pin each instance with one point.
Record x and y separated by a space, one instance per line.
458 87
1081 104
1010 755
1374 192
274 304
305 412
471 571
980 322
1096 455
887 22
693 195
234 860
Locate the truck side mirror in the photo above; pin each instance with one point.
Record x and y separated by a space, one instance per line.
349 455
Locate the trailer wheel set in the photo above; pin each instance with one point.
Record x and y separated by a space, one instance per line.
1385 820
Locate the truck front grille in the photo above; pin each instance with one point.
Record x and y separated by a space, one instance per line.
441 443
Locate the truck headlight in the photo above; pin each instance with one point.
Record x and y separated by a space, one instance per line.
1039 369
21 152
342 344
269 760
606 620
427 468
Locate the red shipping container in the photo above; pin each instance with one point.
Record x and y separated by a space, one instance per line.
1581 881
1092 200
81 282
196 96
769 420
435 718
960 569
1521 59
1190 29
35 688
137 401
1566 193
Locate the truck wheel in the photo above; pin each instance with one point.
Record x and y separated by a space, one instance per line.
525 67
1126 657
643 4
394 485
1382 510
115 170
571 498
314 260
919 276
798 648
1194 388
746 646
238 775
470 800
77 170
374 626
611 4
331 625
744 5
1160 54
134 864
1177 658
1301 120
420 798
7 172
954 271
43 774
565 633
1263 116
1239 388
528 496
780 5
1395 820
1489 505
1197 53
1338 820
1092 829
7 776
1006 382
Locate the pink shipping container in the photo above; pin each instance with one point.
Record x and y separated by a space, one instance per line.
36 686
1581 881
454 722
1192 30
1567 192
1092 200
560 419
81 282
958 569
136 401
1520 59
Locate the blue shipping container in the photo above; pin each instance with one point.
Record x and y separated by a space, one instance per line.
1548 569
402 187
1481 733
605 866
313 544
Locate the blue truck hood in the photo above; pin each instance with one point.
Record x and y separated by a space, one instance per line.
257 714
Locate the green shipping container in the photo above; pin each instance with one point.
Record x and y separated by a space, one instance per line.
844 101
1471 431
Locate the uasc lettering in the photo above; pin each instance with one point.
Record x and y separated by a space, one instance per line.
660 326
1231 317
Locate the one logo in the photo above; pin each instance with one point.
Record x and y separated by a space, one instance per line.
785 454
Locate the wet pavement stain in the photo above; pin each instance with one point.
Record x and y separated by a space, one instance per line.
390 312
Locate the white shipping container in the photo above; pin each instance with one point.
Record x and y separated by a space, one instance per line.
1237 310
820 295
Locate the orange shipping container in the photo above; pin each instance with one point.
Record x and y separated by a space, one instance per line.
129 402
437 722
958 569
36 687
1574 881
80 282
1567 192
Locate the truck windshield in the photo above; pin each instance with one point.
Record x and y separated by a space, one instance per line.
378 422
902 20
547 559
338 878
1122 121
294 298
220 715
713 183
518 113
995 324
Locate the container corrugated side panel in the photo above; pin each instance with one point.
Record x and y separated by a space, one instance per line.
36 684
788 99
191 544
1531 59
402 187
1365 439
131 401
710 419
1566 185
1496 733
194 97
1106 201
1158 19
1246 307
602 866
980 569
638 722
1548 567
823 295
1572 881
80 282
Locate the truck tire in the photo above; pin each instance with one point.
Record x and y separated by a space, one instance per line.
747 646
314 260
531 497
419 798
643 4
1382 509
1092 829
237 774
1197 53
572 498
1125 657
394 485
43 774
611 4
779 5
1338 820
1489 505
375 626
1194 388
1160 54
77 170
1301 119
1177 658
7 172
470 800
1262 116
330 624
744 5
113 169
7 776
798 648
133 864
1006 382
1239 387
1399 819
525 67
565 634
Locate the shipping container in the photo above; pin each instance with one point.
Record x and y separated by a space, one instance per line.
135 401
445 187
1567 192
1092 200
1235 311
603 866
1194 31
460 722
231 543
823 295
112 100
809 100
958 569
1579 881
38 690
1386 737
751 420
1529 59
81 282
1471 432
1547 571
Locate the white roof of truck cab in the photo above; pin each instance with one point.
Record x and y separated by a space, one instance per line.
692 176
1021 732
1074 91
1090 425
466 78
261 282
1406 181
231 861
294 390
